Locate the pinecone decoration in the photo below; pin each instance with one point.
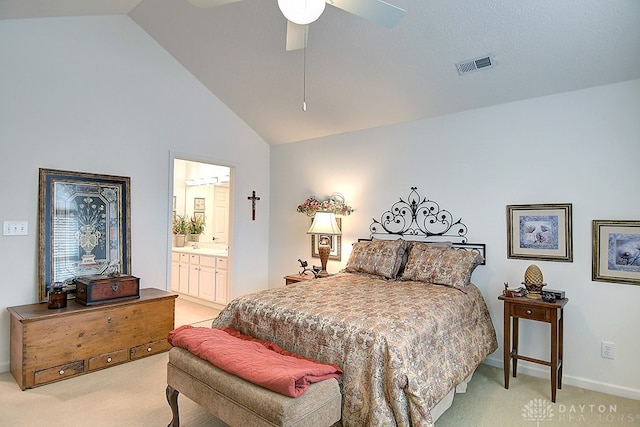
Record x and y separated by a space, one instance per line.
533 281
533 275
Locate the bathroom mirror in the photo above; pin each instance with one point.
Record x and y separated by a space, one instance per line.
201 191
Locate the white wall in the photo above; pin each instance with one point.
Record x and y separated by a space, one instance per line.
99 95
580 147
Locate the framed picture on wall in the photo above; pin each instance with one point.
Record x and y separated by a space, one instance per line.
336 244
616 251
198 203
84 226
541 232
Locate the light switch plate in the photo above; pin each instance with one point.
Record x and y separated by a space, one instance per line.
15 228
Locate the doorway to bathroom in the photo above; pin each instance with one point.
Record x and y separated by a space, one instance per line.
201 212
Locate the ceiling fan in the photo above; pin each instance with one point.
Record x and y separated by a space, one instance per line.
300 13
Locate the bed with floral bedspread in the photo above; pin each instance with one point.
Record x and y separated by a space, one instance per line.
404 339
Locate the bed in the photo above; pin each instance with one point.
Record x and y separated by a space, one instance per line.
403 321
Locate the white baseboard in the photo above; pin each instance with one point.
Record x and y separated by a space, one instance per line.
5 367
539 372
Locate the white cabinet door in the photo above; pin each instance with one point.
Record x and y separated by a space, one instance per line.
221 286
194 275
175 271
221 280
183 274
200 276
207 278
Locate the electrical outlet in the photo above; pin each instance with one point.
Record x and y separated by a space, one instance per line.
607 349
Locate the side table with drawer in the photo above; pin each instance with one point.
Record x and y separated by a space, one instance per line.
516 308
295 278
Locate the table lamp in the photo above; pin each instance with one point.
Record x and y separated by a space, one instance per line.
324 225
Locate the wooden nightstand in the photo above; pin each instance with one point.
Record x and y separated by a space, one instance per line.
550 312
295 278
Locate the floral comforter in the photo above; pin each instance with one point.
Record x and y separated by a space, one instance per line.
402 345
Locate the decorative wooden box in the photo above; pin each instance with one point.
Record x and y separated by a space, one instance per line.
92 290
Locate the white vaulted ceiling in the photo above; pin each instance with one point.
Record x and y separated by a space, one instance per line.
362 75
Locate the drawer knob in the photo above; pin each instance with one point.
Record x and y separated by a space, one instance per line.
114 287
61 372
108 360
529 311
109 319
149 349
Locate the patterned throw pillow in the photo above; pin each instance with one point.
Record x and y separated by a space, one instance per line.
442 266
405 256
379 258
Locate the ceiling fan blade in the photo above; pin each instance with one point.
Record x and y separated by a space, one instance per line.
296 36
210 3
376 11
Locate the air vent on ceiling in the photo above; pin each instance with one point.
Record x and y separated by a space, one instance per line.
476 64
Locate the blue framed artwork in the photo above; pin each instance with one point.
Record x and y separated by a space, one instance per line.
84 226
616 251
540 232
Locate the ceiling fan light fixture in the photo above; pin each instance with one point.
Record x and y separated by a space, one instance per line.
301 12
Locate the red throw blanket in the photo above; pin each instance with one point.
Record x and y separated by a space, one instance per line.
260 362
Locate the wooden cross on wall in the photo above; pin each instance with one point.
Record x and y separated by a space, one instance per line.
253 199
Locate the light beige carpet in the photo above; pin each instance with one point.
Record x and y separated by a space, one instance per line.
132 394
527 403
190 313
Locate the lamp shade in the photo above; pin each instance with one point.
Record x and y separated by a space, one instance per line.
301 12
324 223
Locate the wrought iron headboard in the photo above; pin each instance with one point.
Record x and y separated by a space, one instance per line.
419 219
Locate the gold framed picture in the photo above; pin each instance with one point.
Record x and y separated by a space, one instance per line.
616 251
540 231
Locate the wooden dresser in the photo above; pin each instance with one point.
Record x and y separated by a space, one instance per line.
51 345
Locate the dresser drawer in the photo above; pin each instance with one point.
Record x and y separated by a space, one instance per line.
222 263
149 349
207 261
108 359
529 312
59 372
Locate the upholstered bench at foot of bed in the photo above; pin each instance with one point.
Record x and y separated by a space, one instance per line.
240 403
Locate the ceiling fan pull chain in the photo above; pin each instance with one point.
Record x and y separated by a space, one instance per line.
304 75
